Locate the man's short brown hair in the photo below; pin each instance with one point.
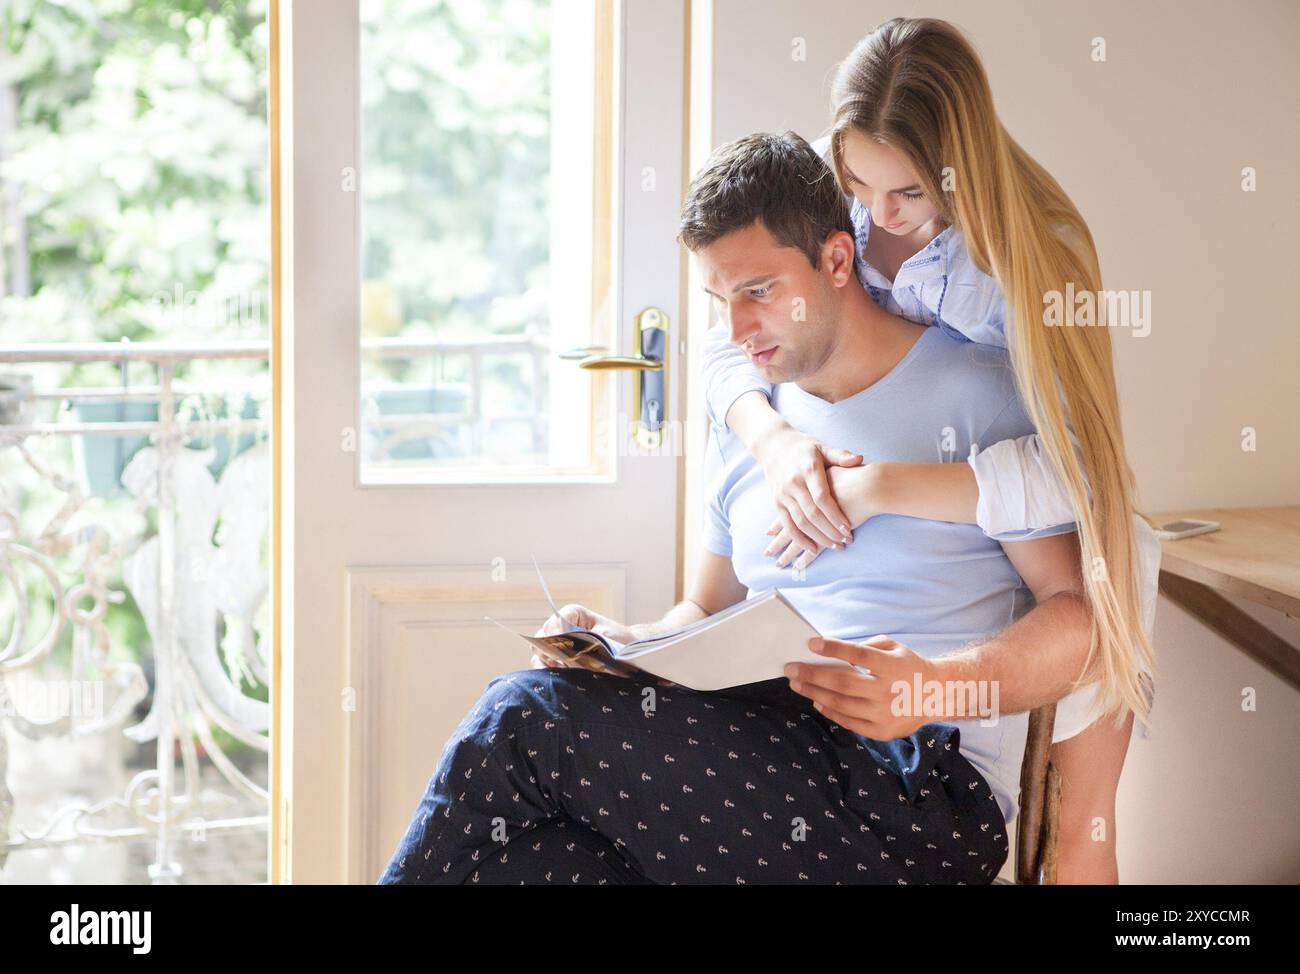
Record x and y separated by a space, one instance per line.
777 179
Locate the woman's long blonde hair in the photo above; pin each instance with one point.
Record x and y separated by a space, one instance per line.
918 86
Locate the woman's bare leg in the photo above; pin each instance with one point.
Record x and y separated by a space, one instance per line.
1089 765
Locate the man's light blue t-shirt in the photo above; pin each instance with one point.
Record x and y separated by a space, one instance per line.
931 585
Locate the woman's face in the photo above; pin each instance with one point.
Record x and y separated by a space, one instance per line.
884 182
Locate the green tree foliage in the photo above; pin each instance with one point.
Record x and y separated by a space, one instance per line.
455 164
138 162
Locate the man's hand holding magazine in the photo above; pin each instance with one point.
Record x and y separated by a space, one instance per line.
579 616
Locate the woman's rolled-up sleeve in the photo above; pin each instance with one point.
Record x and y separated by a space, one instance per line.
1020 493
728 375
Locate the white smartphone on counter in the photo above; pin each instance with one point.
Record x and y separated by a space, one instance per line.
1185 529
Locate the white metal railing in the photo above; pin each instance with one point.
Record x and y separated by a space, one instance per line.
73 557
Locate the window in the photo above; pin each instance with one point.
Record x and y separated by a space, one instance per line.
485 213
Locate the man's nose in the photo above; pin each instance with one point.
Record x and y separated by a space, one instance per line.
741 326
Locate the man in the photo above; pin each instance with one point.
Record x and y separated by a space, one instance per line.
564 775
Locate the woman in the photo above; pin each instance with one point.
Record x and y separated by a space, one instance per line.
960 228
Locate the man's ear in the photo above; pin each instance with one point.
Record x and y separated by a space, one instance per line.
839 252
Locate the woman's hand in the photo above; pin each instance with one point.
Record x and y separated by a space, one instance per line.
860 490
796 469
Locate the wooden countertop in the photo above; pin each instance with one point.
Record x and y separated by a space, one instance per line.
1255 555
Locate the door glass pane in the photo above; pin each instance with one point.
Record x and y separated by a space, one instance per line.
479 199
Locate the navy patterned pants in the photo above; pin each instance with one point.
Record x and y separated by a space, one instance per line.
575 777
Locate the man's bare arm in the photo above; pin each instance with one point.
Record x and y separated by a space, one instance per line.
714 589
1036 660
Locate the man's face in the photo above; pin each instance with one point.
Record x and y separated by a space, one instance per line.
781 310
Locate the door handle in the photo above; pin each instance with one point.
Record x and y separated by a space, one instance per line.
650 340
609 363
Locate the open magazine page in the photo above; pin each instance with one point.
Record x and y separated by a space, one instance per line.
648 645
643 645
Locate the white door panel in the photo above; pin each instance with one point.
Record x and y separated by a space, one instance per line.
418 646
385 646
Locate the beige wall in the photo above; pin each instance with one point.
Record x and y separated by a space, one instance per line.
1150 145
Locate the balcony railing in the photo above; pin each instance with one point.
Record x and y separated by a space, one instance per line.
152 499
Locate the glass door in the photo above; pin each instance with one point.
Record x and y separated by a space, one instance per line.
480 346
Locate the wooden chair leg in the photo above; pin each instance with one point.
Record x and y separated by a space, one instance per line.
1051 825
1033 795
